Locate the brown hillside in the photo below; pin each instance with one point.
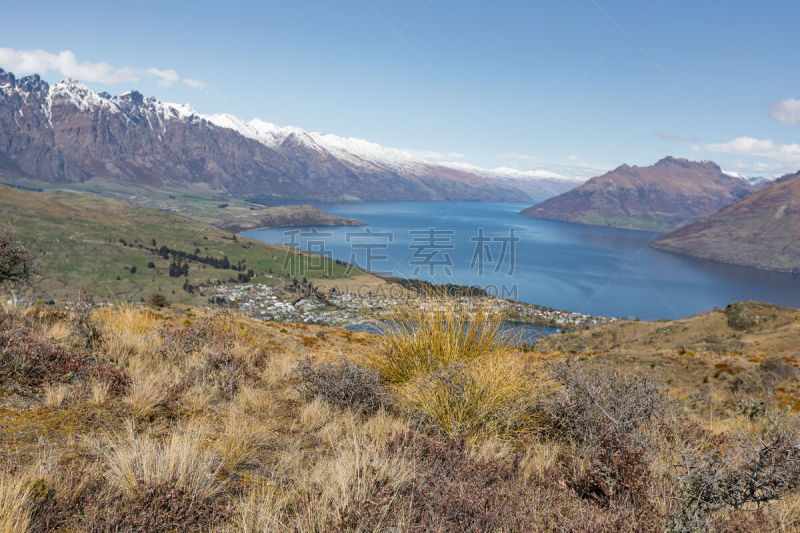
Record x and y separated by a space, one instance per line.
659 197
762 231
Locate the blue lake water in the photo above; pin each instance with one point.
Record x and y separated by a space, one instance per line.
580 268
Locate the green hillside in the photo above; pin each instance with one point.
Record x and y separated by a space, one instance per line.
82 241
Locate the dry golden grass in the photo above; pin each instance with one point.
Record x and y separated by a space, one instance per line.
147 392
301 463
181 460
436 332
260 510
240 440
493 396
456 368
99 392
55 395
15 512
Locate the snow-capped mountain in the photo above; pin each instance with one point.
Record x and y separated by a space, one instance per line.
69 133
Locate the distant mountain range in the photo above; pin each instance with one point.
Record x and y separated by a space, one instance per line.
660 197
67 134
762 230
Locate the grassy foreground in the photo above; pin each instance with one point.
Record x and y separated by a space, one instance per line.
110 248
131 419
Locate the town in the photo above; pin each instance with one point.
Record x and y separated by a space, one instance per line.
340 308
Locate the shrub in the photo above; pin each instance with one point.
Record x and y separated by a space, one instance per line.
617 475
774 370
158 508
594 401
16 265
343 383
751 472
157 300
31 361
451 490
84 332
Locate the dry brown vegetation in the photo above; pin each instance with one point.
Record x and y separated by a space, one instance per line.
196 420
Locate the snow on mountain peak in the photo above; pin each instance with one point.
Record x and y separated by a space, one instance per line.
349 150
81 96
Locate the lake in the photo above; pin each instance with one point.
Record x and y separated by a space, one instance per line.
586 269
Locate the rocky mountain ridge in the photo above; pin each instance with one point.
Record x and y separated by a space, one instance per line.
67 133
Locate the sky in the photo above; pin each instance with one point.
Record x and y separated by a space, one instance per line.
575 87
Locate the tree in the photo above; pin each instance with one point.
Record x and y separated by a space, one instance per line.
133 270
16 265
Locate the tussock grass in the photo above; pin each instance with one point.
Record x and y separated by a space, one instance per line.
99 392
147 393
133 461
470 438
15 512
491 397
435 332
55 394
259 511
129 336
359 468
240 440
456 368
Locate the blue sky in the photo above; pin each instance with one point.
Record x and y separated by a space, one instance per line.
572 86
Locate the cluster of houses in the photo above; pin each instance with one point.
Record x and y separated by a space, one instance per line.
265 302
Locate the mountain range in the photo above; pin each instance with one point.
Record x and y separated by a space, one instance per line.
67 134
762 230
659 197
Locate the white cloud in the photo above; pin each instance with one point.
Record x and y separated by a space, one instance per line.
751 146
194 84
23 62
167 77
574 158
756 157
787 111
506 172
39 61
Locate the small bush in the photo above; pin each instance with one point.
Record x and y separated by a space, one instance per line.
31 361
158 508
84 332
343 383
774 370
751 472
157 300
451 490
617 475
594 401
